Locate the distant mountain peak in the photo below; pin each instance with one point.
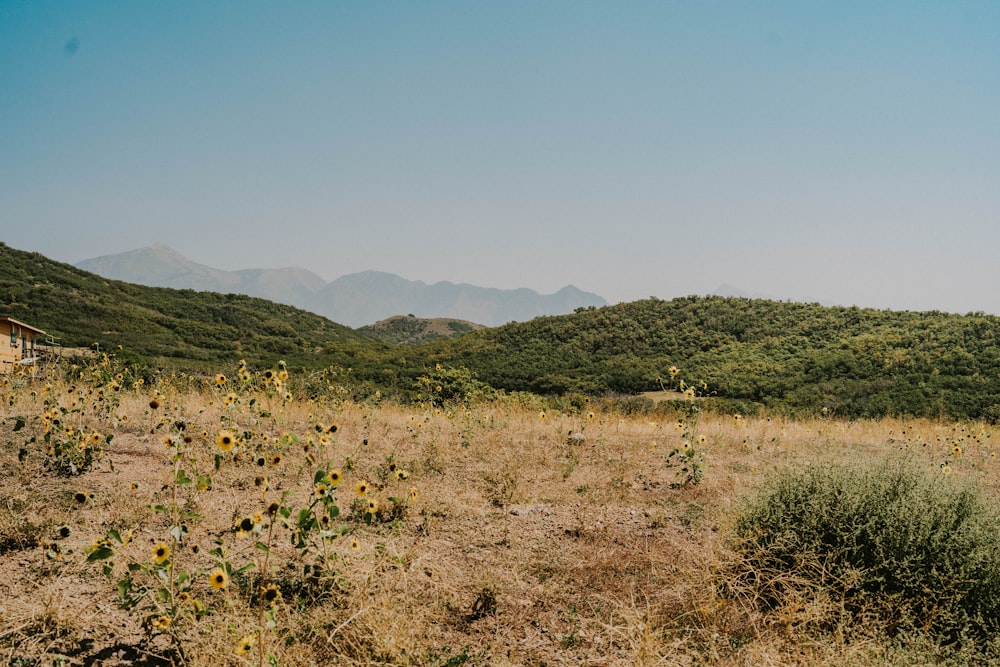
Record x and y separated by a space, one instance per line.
354 299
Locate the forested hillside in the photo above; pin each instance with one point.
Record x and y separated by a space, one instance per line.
410 330
176 328
788 356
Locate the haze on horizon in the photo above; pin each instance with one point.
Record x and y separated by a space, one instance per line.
842 152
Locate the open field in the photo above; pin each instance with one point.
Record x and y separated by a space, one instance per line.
502 533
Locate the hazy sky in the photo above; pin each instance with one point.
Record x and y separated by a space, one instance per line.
845 152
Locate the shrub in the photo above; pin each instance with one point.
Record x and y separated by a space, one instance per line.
887 542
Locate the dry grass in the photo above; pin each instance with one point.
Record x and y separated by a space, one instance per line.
523 546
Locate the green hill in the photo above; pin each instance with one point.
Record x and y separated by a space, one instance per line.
165 327
410 330
787 356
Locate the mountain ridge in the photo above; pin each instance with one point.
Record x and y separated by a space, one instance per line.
355 299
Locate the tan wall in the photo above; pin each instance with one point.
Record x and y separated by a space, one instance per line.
8 354
11 353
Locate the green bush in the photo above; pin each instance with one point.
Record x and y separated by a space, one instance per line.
890 544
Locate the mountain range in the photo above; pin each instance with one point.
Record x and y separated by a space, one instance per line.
355 299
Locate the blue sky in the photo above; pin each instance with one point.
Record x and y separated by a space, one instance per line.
845 152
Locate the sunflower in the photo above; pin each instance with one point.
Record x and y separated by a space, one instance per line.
402 474
218 578
161 552
335 477
276 460
220 379
245 646
270 594
361 488
160 623
225 440
372 506
413 493
95 438
355 545
956 450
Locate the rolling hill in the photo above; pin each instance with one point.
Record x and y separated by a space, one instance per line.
752 354
788 357
410 330
163 326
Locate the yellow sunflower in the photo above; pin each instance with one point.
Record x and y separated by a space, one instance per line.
225 440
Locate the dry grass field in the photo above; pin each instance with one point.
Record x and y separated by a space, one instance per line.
228 521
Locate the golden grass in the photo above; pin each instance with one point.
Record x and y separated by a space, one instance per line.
523 546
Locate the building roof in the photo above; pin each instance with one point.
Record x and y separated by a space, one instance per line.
21 324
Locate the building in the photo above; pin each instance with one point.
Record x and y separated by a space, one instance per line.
23 348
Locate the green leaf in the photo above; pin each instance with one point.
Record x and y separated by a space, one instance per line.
100 553
182 478
18 424
163 594
263 547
